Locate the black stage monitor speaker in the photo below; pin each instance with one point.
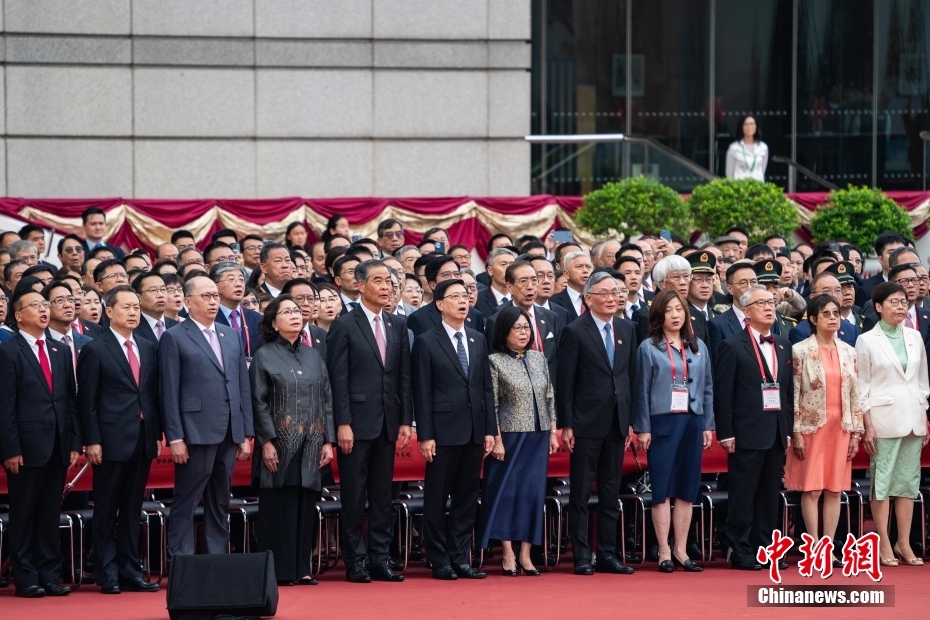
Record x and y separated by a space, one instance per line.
201 587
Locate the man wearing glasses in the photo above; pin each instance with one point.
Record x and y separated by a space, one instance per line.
230 284
61 316
440 269
206 406
71 254
917 318
740 277
153 299
108 275
390 236
827 283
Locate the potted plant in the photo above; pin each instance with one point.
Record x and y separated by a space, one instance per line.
760 208
631 207
858 215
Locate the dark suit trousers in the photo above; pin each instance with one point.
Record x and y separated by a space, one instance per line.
207 474
600 459
366 473
118 490
455 471
35 512
753 485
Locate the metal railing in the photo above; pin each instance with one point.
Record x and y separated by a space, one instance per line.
813 176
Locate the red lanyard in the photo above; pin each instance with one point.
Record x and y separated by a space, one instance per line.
671 361
755 348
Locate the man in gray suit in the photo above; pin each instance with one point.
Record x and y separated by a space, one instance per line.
206 406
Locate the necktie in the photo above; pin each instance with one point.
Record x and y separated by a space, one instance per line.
133 360
215 345
770 338
745 323
460 348
234 321
537 342
305 339
67 341
633 309
379 338
609 344
77 327
908 322
353 305
159 329
46 367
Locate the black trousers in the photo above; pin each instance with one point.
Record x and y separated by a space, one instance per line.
35 513
367 473
118 493
207 474
285 527
456 472
752 495
598 459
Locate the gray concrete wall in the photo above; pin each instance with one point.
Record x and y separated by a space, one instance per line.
264 98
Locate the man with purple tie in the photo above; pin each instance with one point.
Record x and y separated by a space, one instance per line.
153 298
230 284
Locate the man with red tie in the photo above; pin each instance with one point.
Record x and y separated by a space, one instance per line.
39 440
118 404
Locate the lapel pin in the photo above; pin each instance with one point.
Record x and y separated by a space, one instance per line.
54 349
318 341
468 318
222 334
300 372
619 342
541 321
390 325
781 347
471 340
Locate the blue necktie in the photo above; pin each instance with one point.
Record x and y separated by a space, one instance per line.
609 344
463 358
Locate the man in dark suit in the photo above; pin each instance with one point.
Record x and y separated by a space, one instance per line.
456 424
39 440
441 268
522 282
276 264
492 297
753 409
885 244
61 316
368 356
206 408
118 375
108 275
344 278
578 266
593 393
153 298
230 283
94 221
740 277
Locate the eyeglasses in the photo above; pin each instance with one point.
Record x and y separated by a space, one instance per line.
175 290
393 235
471 288
448 275
289 312
521 328
36 305
525 281
234 280
830 313
455 297
121 276
546 277
60 301
459 257
607 295
209 296
249 303
896 303
744 283
251 248
75 249
419 291
906 281
224 259
304 299
763 303
678 277
155 290
327 300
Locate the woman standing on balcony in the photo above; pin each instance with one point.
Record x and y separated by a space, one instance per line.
748 156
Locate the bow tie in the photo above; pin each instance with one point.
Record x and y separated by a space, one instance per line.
769 338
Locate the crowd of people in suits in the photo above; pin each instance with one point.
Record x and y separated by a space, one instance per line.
294 354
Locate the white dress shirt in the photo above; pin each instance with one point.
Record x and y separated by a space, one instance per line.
371 322
346 301
153 322
272 290
741 317
455 342
498 296
122 346
575 296
35 348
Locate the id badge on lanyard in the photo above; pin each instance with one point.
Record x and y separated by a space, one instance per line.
680 396
771 395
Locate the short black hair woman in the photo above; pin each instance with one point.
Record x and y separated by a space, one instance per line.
293 408
674 405
748 157
515 476
827 417
893 390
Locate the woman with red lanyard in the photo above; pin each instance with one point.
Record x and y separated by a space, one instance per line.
674 420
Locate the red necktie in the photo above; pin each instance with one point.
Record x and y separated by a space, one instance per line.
133 361
537 344
46 367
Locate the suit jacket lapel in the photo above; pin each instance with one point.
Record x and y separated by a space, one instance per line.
201 339
747 342
733 323
543 328
368 332
446 345
388 324
886 347
33 361
597 336
472 356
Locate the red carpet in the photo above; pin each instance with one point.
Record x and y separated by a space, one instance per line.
717 592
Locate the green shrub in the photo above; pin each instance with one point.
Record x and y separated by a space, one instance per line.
634 206
761 208
858 215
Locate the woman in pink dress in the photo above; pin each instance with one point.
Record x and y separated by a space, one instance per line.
827 417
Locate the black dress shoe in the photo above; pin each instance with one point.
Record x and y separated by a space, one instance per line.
467 572
510 573
666 566
110 587
396 566
584 568
745 566
3 583
357 574
138 584
444 572
383 572
307 581
31 592
53 589
687 565
531 572
782 565
611 564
